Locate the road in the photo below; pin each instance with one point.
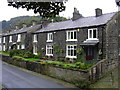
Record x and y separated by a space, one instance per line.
13 77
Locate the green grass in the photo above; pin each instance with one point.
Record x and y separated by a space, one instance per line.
32 59
5 53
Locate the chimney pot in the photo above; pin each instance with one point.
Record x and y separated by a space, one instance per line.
76 14
16 27
24 25
33 22
98 12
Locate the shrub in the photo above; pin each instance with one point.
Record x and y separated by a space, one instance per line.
28 55
16 53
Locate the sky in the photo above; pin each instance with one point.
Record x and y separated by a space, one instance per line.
85 7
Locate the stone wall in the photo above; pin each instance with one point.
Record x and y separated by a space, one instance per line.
73 76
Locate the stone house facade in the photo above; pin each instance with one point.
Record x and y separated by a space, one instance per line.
19 38
98 36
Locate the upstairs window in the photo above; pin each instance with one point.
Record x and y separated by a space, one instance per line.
19 38
3 39
92 33
35 38
72 35
10 38
49 50
49 37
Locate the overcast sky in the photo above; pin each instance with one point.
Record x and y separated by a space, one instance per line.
85 7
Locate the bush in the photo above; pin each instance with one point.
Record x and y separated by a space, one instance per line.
16 53
21 53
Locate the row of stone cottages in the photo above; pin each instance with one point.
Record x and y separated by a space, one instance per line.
97 35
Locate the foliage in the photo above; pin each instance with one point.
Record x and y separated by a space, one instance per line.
45 9
18 57
80 55
4 53
22 53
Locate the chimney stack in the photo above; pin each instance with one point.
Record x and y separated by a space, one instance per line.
24 25
33 22
44 22
98 12
16 27
76 14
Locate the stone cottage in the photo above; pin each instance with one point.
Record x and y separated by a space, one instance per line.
19 38
97 35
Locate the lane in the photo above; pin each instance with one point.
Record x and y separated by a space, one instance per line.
13 77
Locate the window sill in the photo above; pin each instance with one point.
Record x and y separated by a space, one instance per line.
18 41
71 56
72 40
49 41
35 41
35 53
10 41
49 54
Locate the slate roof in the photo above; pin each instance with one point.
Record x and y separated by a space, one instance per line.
79 23
22 30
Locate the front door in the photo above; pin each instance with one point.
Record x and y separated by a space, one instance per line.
89 53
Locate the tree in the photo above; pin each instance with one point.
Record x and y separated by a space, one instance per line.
45 9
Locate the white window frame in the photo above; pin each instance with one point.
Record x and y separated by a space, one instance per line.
18 46
92 38
35 38
50 48
69 37
3 39
10 38
49 37
22 46
69 56
18 37
0 40
35 49
119 51
4 47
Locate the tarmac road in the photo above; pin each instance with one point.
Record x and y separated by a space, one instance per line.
13 77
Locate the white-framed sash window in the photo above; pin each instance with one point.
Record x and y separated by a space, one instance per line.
3 47
71 51
22 46
0 40
35 49
93 33
10 38
35 38
50 37
3 39
49 50
18 37
71 35
18 46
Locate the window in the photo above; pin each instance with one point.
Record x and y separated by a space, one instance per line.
3 39
22 46
71 51
92 33
0 40
119 51
19 38
49 50
49 37
18 46
10 38
35 49
35 38
3 47
72 35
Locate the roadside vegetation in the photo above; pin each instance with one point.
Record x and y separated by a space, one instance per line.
26 55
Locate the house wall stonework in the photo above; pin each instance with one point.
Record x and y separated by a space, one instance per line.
59 38
112 38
